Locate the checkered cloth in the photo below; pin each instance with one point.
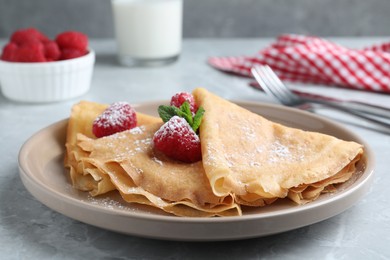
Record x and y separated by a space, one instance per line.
313 60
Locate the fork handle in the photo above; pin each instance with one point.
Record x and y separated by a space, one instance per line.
383 126
368 108
353 106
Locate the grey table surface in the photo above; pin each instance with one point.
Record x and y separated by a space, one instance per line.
30 230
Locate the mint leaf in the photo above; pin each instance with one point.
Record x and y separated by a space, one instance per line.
186 113
198 119
166 112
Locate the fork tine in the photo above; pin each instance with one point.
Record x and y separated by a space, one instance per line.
258 74
280 94
261 75
277 83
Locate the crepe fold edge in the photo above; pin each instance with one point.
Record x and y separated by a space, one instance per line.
301 180
87 175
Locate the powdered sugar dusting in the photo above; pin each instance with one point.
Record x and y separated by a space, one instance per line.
118 117
248 132
139 146
253 148
117 114
177 140
124 145
107 202
157 161
177 126
278 152
137 130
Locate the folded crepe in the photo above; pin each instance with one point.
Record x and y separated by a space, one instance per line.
246 160
80 122
260 161
126 161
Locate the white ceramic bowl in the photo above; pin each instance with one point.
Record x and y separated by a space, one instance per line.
47 81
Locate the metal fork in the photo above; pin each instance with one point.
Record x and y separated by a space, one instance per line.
273 86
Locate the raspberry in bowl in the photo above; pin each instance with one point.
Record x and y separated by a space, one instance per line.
34 68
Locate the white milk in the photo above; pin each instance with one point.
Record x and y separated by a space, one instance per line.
147 30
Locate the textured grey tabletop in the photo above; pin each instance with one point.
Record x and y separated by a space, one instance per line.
30 230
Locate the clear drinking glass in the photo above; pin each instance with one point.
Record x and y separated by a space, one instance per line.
148 32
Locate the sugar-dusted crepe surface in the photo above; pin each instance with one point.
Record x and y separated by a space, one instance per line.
80 122
258 160
246 160
126 161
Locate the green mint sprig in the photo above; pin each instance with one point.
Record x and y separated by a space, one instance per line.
166 112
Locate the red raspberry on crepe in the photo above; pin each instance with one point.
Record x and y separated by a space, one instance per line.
118 117
177 140
178 99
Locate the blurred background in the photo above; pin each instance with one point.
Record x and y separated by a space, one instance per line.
209 18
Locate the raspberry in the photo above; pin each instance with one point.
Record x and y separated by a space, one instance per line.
28 35
118 117
52 52
179 98
177 140
9 51
68 53
72 40
30 45
72 44
30 52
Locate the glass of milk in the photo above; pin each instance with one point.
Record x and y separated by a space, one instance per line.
148 32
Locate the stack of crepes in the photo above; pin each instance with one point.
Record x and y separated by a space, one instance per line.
247 160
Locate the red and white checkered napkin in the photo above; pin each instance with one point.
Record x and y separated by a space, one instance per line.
307 59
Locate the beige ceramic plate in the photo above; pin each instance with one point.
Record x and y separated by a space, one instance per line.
42 172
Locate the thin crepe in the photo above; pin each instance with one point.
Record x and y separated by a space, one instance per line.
260 161
128 162
80 122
